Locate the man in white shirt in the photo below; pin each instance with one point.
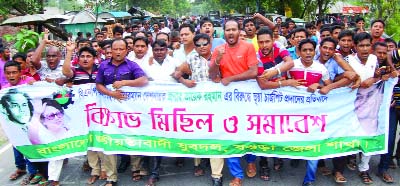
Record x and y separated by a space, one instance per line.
51 70
164 28
365 64
187 47
140 53
160 69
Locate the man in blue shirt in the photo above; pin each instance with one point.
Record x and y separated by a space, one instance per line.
299 34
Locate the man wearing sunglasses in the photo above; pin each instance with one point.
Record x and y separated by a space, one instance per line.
197 68
51 70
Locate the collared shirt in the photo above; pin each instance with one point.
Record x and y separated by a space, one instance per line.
162 72
366 70
333 68
45 72
267 62
81 76
292 52
312 74
144 60
181 55
108 73
199 67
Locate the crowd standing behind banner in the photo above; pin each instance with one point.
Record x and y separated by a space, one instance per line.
319 57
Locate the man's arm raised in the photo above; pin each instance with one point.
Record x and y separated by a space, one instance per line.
38 52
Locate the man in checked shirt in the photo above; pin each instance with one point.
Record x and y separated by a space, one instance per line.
197 66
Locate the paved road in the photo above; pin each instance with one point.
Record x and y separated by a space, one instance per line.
72 175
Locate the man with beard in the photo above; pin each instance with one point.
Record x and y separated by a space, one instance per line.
207 27
270 58
51 70
234 61
120 72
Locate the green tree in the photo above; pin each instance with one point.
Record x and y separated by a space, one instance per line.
24 7
24 40
387 10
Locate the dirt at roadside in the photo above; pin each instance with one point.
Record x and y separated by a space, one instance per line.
3 137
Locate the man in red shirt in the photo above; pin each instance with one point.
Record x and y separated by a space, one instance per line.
234 61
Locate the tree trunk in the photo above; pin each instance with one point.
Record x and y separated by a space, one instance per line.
379 7
320 10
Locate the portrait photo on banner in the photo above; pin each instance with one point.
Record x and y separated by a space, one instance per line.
50 122
17 112
367 108
33 121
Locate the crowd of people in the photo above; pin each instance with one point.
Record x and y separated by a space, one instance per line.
274 53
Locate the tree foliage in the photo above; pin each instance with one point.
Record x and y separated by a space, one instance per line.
387 10
299 8
23 40
20 7
165 7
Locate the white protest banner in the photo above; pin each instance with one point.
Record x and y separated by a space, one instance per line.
45 121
